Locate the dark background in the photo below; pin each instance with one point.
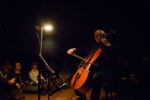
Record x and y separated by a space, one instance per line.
74 24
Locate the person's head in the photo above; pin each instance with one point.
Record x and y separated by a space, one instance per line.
5 68
17 66
34 65
99 34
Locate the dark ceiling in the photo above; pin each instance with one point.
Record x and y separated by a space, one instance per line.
74 24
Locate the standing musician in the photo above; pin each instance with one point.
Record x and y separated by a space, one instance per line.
101 73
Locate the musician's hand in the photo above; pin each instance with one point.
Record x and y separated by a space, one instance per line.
71 51
105 42
18 85
11 81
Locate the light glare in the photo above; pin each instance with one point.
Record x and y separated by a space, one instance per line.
48 27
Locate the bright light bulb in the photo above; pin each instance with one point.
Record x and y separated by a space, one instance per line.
48 27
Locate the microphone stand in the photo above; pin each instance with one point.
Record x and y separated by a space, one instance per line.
39 74
41 57
54 80
47 67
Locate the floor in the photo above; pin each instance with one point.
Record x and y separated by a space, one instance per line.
63 94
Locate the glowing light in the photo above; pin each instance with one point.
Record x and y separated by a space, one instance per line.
48 27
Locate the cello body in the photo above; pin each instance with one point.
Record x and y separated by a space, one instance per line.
81 80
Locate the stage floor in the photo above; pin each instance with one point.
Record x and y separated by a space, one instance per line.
63 94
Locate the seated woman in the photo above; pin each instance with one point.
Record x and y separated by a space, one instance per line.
33 76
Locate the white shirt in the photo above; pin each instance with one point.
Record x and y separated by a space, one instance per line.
33 75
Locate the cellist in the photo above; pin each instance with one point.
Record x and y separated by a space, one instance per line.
100 73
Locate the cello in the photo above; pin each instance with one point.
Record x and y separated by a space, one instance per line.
80 79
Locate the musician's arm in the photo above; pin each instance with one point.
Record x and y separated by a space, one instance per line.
79 51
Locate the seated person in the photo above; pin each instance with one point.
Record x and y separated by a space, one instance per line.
33 76
7 82
18 75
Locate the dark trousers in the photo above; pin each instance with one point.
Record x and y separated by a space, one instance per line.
96 92
82 96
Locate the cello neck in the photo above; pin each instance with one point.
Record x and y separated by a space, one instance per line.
84 59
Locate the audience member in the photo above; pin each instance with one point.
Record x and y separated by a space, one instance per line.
20 80
7 83
33 75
